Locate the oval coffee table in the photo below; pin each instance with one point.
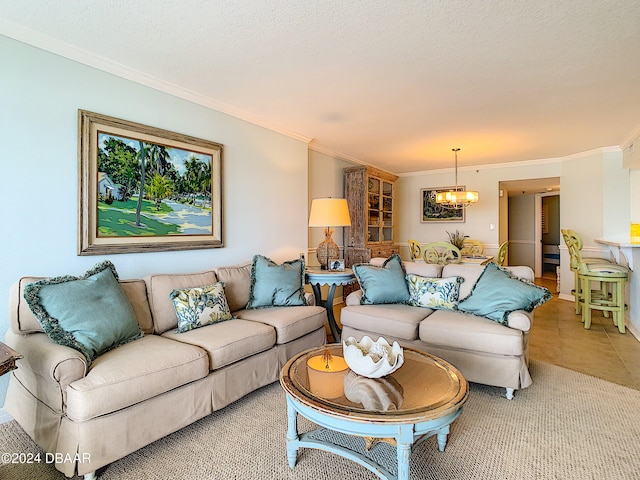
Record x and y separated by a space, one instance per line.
421 399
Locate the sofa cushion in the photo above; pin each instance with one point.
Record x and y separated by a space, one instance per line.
160 286
290 322
237 282
397 320
132 373
419 268
227 342
136 292
461 331
382 284
497 293
90 313
24 321
274 285
435 293
199 306
20 315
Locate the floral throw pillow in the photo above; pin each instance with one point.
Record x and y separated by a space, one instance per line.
435 293
200 306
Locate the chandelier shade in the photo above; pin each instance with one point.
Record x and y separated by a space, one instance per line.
458 197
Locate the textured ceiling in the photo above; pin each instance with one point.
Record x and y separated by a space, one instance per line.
394 83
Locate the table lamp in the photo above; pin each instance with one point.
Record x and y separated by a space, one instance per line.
327 213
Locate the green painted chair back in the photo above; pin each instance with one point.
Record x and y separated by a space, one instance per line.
415 250
501 257
471 247
441 253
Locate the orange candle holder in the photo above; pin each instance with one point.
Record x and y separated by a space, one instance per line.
326 375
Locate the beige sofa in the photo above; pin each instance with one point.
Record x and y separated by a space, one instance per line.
483 350
150 387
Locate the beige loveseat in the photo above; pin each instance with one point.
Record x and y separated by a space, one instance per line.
483 350
150 387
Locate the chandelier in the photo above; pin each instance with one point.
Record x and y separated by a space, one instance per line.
458 197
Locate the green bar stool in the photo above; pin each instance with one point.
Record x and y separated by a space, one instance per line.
613 277
574 246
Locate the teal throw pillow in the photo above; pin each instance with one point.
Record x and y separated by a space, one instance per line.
497 293
382 284
91 313
274 285
435 293
200 306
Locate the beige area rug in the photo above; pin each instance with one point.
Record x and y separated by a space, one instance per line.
565 426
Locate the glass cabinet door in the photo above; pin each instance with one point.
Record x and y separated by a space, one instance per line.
387 212
373 210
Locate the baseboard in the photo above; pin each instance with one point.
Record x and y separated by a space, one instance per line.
634 331
565 296
4 416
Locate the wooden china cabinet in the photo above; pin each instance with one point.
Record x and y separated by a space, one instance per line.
370 194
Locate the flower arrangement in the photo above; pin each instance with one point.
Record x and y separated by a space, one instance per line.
457 238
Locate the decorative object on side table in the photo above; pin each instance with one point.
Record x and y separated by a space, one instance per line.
327 213
316 278
372 359
8 357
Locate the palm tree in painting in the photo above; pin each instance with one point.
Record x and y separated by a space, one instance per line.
142 157
158 158
197 178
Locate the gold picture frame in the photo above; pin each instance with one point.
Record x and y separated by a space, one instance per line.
145 189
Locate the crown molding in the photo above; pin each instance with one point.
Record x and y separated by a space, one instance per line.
523 163
633 136
316 147
71 52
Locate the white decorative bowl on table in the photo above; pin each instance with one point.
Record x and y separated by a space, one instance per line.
372 359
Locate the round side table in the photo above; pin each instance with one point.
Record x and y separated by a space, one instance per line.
316 278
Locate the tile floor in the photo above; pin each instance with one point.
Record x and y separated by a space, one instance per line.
558 337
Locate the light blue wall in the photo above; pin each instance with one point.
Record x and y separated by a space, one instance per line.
265 174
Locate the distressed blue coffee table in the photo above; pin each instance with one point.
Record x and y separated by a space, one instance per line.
419 400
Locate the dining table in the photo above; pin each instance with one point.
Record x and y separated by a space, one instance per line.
476 259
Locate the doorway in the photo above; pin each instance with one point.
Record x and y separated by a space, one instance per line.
533 225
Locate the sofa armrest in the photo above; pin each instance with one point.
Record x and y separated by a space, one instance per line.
520 320
353 298
45 361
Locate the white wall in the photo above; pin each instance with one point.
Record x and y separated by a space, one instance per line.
595 191
634 193
265 174
479 218
326 179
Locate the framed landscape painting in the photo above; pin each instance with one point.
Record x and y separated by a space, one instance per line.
432 212
146 189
